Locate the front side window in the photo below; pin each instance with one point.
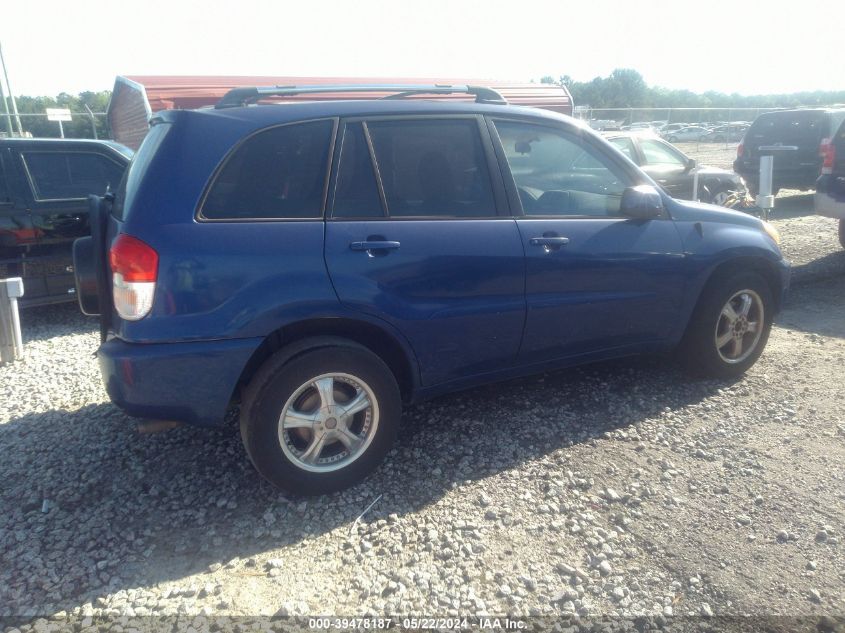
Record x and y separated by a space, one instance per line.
71 175
559 174
432 168
656 153
278 173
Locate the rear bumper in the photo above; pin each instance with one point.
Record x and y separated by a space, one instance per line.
802 179
826 205
830 196
189 382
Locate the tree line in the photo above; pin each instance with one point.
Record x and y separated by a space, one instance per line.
79 127
623 88
626 88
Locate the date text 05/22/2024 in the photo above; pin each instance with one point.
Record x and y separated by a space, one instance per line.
418 623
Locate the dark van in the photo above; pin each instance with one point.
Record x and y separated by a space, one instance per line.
44 185
797 135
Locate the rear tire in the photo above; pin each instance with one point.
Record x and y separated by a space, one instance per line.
842 232
730 326
321 421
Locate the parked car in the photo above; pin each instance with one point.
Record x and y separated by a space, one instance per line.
641 127
672 127
830 187
797 135
726 133
325 262
689 133
673 170
44 187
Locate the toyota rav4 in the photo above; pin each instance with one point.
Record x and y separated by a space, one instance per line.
324 262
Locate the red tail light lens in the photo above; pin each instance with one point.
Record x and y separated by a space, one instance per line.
133 259
740 149
134 267
828 153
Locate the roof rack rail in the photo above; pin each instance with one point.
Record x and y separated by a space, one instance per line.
238 97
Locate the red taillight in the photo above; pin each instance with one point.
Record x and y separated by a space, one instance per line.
133 259
740 149
134 267
828 153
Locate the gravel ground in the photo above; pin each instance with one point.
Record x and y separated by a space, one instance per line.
617 489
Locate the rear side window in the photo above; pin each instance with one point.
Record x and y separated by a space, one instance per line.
657 153
71 175
433 167
356 194
279 173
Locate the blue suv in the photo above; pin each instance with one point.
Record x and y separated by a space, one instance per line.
324 262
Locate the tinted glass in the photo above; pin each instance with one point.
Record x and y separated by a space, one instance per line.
356 194
789 127
553 175
4 191
656 153
625 146
128 187
278 173
63 175
433 168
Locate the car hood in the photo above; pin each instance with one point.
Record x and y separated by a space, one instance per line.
684 211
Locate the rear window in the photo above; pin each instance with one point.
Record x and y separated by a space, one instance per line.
128 187
789 127
279 173
71 175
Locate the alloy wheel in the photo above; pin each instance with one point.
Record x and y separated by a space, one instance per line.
328 422
739 326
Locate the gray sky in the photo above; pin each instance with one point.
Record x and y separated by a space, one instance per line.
739 45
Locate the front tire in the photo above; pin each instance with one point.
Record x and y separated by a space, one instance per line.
730 326
322 421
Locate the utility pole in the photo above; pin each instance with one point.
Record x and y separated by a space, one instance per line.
11 94
93 120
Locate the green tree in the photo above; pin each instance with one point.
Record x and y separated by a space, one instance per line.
626 88
78 127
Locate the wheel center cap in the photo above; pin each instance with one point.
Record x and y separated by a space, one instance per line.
331 423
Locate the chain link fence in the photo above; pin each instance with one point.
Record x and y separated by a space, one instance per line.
37 125
692 116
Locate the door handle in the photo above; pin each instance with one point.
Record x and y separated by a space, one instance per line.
375 245
548 241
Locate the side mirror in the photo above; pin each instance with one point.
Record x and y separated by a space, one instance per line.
691 164
642 202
